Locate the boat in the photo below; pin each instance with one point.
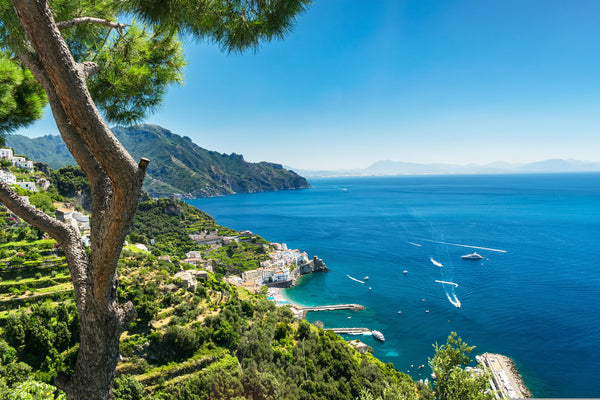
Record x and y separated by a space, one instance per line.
405 272
378 335
473 256
366 278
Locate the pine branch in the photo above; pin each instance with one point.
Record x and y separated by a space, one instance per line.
90 20
58 230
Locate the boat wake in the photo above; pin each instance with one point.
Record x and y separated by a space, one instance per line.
436 263
415 244
453 299
354 279
447 283
464 245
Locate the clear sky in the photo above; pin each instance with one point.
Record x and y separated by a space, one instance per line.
424 81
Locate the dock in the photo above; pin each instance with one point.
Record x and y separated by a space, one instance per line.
350 331
354 307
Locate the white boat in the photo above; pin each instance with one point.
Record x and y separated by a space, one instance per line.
366 278
378 335
473 256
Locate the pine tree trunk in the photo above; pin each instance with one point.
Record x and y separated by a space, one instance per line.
115 182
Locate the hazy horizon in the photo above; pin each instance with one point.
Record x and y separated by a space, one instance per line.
412 81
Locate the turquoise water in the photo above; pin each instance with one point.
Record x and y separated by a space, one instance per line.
534 297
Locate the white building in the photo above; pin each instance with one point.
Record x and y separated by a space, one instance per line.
28 185
276 275
43 183
142 247
6 153
82 220
301 258
194 254
8 177
23 163
64 214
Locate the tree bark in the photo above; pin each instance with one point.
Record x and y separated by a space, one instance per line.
115 182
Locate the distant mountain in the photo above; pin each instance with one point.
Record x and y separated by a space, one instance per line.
382 168
49 149
177 165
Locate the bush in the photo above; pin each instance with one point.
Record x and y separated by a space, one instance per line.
126 387
176 344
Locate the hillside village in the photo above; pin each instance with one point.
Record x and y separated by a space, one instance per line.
13 166
281 269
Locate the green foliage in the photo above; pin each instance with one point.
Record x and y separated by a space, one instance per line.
21 96
166 223
233 24
135 73
70 180
126 387
43 201
136 63
43 335
238 257
452 382
33 390
176 344
196 171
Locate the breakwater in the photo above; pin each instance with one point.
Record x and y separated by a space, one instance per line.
350 331
505 379
334 307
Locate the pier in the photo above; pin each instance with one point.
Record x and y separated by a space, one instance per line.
350 331
354 307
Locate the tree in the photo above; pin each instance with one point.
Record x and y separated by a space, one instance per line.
92 69
451 381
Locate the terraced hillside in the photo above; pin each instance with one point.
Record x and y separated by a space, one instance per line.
209 340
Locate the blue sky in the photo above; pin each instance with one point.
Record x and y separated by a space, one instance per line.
417 81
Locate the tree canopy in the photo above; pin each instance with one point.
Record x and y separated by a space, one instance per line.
134 61
452 381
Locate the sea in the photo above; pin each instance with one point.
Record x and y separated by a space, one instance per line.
395 245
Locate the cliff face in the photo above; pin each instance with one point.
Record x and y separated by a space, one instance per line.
177 165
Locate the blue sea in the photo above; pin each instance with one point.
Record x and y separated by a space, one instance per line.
535 296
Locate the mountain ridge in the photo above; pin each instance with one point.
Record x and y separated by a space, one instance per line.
388 167
177 165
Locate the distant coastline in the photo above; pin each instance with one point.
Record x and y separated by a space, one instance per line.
396 168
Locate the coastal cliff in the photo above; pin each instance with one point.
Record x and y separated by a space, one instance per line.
177 165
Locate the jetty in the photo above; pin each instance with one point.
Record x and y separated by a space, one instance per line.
350 331
334 307
354 307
